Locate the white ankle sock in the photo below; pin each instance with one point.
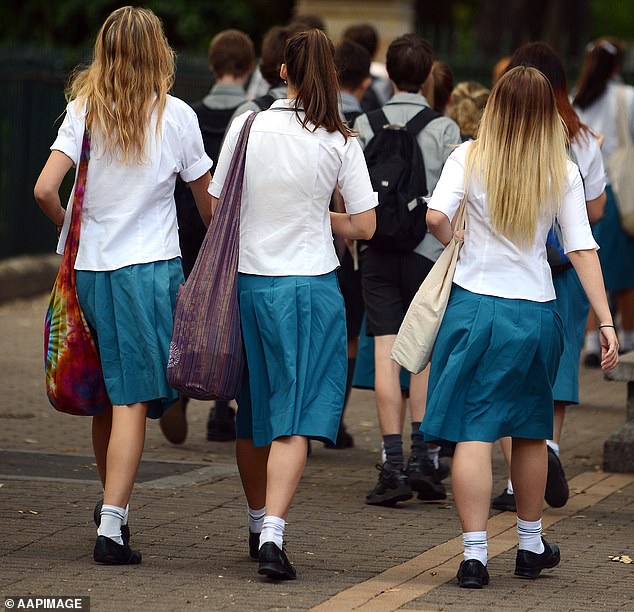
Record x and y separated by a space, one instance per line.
509 487
256 519
591 342
111 520
125 516
475 546
273 530
529 534
434 454
554 446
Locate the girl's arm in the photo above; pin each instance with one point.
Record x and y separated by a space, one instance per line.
439 225
596 208
586 264
202 197
46 190
354 227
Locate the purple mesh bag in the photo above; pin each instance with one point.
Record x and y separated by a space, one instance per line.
206 354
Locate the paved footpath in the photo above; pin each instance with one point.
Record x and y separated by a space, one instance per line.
188 516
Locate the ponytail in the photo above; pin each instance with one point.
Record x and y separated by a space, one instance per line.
310 66
603 59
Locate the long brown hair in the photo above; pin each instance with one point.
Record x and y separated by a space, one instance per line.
543 57
520 154
310 65
128 79
602 61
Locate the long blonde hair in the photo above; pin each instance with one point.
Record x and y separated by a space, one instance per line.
520 154
128 79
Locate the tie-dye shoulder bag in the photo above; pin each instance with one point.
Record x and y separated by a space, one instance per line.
74 379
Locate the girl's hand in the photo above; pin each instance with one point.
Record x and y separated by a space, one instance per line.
609 348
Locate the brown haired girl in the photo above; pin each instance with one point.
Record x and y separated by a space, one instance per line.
498 348
292 311
128 264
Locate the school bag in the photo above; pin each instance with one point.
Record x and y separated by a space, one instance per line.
397 172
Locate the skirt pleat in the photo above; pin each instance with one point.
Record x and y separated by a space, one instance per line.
492 369
131 314
294 335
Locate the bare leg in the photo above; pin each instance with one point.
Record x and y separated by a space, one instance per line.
387 386
287 459
101 425
252 462
472 483
558 424
529 468
125 448
418 394
505 447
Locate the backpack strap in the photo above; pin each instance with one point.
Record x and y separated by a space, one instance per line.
420 120
377 120
264 102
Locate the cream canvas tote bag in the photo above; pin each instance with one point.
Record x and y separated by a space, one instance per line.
416 337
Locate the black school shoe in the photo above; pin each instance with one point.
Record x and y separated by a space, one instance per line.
504 501
557 491
529 564
254 545
423 478
391 488
96 516
274 563
107 551
472 574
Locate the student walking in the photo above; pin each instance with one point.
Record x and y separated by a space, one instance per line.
391 277
572 303
599 93
498 349
292 312
128 266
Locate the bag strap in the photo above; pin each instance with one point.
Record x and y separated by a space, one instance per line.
621 119
378 120
232 187
72 239
420 120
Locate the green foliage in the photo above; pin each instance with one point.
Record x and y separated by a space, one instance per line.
612 18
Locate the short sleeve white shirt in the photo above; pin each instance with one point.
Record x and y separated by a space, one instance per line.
291 173
129 214
489 263
587 155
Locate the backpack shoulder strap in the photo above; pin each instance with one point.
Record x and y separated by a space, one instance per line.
264 102
420 120
377 120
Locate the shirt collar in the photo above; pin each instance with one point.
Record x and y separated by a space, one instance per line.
409 98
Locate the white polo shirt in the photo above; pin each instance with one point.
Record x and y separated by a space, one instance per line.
291 173
129 215
489 263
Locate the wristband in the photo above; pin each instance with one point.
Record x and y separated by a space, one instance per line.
606 325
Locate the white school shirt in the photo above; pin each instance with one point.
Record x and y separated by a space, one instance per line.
129 214
588 157
291 173
489 263
601 115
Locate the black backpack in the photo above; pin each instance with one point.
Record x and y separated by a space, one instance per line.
397 172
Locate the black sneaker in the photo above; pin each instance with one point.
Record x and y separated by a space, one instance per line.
529 564
557 491
221 424
504 501
423 478
391 488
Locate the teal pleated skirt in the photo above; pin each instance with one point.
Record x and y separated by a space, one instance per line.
294 333
131 315
492 370
573 307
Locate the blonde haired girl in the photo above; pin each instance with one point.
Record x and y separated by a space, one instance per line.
499 345
466 104
128 266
